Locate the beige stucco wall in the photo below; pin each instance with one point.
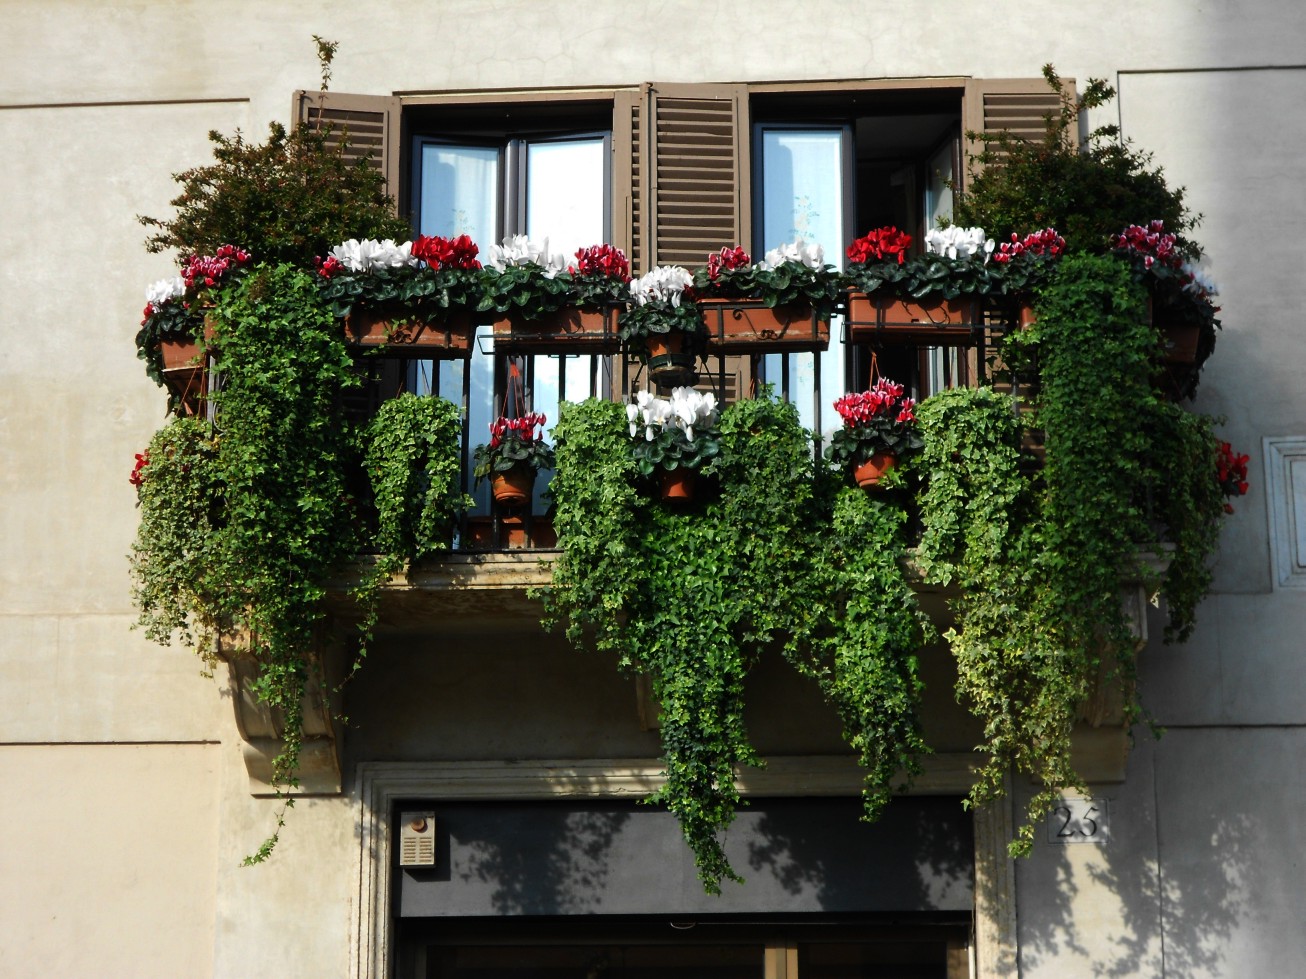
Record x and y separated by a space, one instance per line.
100 103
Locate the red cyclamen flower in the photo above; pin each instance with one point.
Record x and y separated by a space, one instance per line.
138 471
603 261
727 260
880 245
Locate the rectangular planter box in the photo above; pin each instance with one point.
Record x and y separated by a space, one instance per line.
739 326
935 321
568 331
405 336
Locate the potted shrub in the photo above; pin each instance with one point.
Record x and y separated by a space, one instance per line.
931 298
1086 192
879 430
416 297
515 453
662 326
540 306
679 438
783 302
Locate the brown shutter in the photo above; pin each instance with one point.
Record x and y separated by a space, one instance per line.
692 150
1019 106
371 121
681 188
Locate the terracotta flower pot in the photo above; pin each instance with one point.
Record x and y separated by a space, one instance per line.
931 319
388 327
678 484
869 472
513 487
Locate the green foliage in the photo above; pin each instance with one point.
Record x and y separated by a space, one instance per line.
927 275
425 293
523 289
638 322
244 542
784 284
694 596
1088 195
670 449
1040 563
1186 498
982 535
181 500
412 448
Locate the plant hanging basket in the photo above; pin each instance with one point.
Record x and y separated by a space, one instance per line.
668 364
514 487
868 474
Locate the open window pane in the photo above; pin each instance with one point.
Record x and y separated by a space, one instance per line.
564 193
803 181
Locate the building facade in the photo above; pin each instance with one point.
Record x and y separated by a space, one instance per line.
134 787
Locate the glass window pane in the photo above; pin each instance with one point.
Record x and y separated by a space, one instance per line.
460 192
564 203
564 193
803 196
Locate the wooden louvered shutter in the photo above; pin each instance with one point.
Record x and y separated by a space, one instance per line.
371 121
682 191
696 169
1019 106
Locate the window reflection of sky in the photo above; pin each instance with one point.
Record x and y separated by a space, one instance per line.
562 194
803 196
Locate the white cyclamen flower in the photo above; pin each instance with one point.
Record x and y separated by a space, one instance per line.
1202 284
165 290
665 283
690 408
798 250
520 250
369 254
955 242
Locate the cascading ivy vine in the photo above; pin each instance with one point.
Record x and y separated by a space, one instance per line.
1040 561
412 456
693 596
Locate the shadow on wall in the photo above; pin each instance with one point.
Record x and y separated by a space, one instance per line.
560 866
919 855
1114 909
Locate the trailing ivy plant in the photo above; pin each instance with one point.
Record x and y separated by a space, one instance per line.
265 491
181 492
1039 562
693 596
412 455
981 535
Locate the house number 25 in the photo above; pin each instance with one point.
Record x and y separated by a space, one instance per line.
1078 821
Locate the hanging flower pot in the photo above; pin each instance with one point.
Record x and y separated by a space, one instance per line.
668 364
513 487
869 472
678 484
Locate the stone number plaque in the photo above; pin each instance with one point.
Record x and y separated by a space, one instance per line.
1078 821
